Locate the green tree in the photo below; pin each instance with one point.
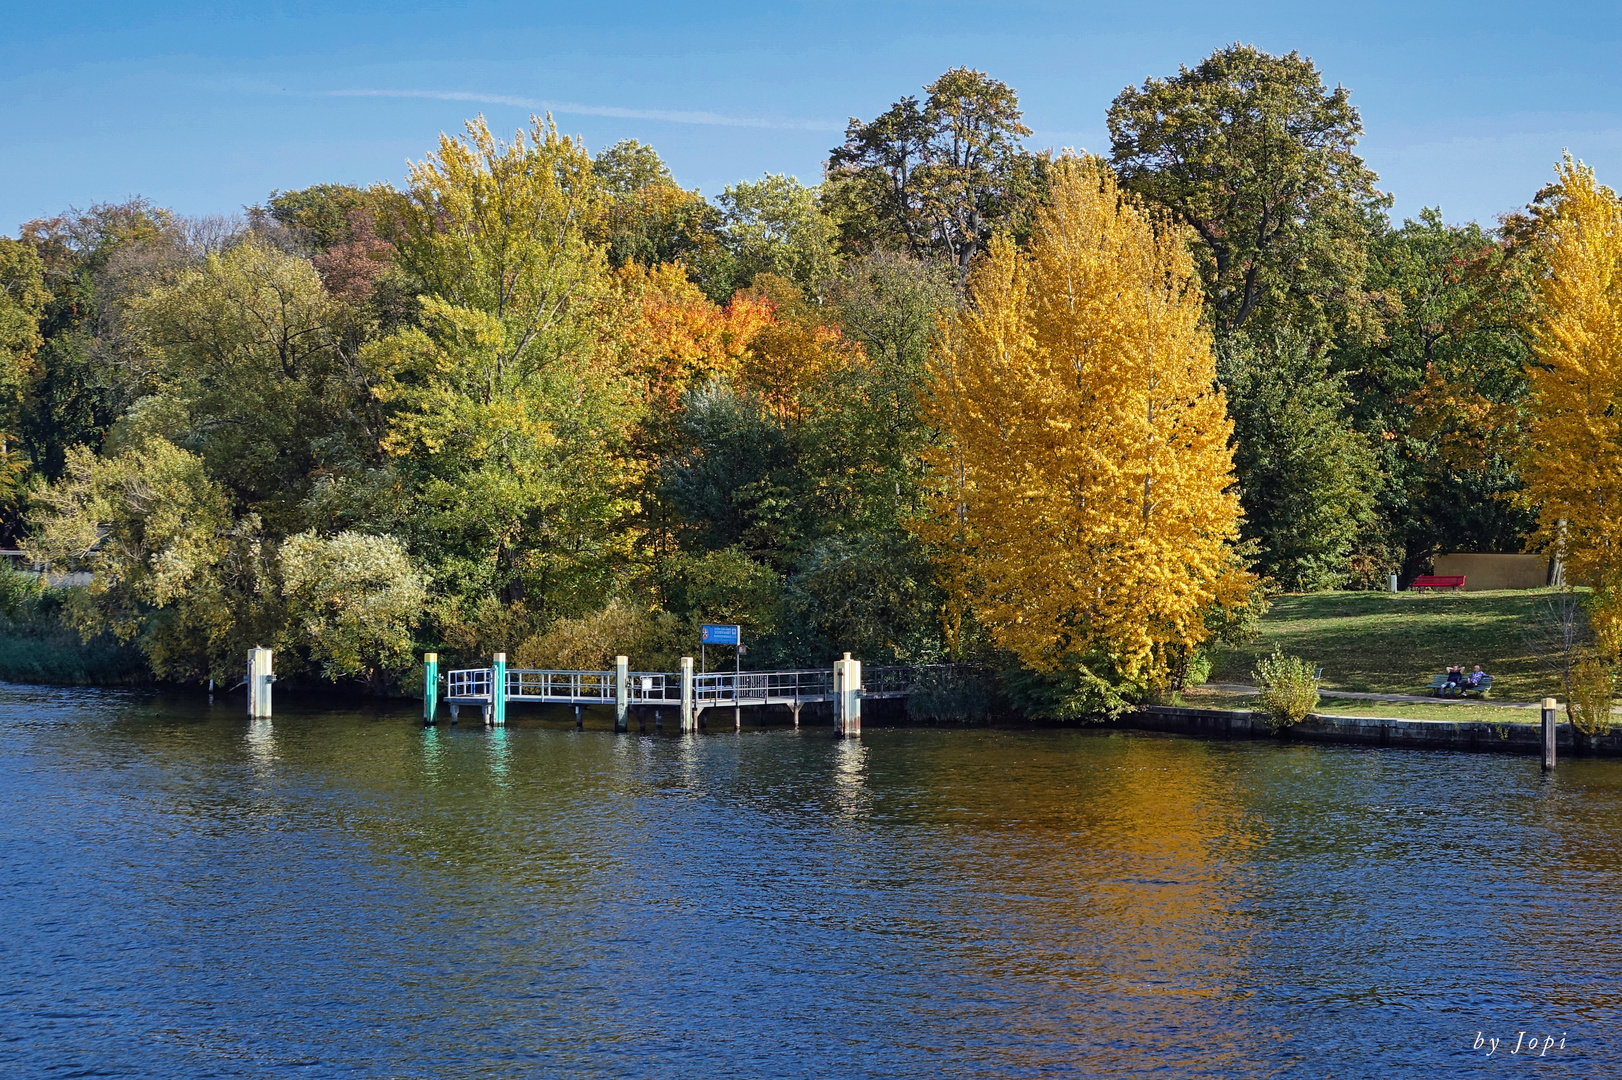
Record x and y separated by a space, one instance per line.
1441 394
249 371
23 298
773 225
505 418
1257 157
940 177
1306 477
630 166
172 569
321 215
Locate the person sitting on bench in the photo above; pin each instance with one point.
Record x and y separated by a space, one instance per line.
1473 680
1455 680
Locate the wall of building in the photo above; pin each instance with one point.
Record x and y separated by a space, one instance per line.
1482 572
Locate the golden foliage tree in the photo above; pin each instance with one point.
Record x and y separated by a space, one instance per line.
1572 457
1088 509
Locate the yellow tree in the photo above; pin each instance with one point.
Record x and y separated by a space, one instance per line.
1088 508
1572 458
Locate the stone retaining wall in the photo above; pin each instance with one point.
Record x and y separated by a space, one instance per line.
1371 731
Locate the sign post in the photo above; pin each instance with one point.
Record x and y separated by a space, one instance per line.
725 634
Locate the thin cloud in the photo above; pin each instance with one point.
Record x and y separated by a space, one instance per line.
570 108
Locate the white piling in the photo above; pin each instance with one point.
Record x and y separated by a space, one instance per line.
260 676
848 697
688 716
622 693
1550 705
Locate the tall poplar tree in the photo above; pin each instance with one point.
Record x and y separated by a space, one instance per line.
1089 506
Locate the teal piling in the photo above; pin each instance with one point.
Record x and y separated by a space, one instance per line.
430 689
498 690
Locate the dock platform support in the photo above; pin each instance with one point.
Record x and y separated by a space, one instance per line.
622 693
848 697
430 689
260 676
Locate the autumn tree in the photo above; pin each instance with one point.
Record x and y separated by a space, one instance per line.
1086 504
1572 459
1258 158
936 178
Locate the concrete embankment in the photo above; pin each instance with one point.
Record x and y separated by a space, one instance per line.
1372 731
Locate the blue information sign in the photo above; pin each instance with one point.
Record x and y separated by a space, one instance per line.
719 635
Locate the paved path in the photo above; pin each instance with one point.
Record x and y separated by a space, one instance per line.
1395 699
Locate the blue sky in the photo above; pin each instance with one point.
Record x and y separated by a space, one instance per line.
206 107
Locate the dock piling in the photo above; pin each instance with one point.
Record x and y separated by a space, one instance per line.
260 676
848 697
498 690
430 689
1549 728
687 715
622 693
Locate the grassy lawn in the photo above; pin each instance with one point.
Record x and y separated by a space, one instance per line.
1393 643
1330 705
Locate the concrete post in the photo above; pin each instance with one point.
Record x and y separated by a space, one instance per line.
688 722
1393 582
260 676
1549 728
848 697
430 689
622 693
498 690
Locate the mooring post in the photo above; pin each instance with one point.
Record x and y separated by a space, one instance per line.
687 723
260 676
622 692
430 689
498 690
848 697
1549 714
579 724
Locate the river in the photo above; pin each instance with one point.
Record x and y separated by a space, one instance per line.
341 894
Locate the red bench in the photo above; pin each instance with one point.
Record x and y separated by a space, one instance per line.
1439 581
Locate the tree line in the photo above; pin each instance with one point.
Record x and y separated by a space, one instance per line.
1065 416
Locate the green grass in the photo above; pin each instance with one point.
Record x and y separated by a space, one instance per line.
1393 643
42 650
1329 705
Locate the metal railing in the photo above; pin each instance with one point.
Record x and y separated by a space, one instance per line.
664 688
586 687
574 687
728 687
468 683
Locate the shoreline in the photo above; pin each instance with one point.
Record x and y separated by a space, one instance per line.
1507 738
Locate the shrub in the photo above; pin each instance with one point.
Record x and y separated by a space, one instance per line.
650 639
1590 690
355 599
1289 688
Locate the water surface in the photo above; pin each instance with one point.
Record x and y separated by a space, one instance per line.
339 893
